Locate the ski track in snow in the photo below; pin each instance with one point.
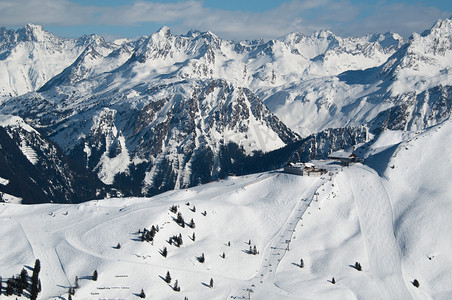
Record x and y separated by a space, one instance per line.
278 246
46 252
376 222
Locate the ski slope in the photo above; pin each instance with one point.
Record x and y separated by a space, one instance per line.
393 222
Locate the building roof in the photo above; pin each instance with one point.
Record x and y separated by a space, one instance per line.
342 155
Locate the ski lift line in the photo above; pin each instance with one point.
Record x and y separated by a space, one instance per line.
292 221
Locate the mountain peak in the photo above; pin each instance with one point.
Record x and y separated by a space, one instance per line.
164 31
439 28
33 33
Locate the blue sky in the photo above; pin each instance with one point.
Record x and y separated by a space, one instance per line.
232 19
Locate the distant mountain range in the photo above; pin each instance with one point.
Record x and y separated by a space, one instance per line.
167 111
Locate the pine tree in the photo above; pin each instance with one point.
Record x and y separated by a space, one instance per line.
358 266
211 283
301 263
69 297
229 243
192 224
142 294
194 237
37 267
333 281
179 239
180 220
95 275
23 278
176 287
118 246
9 290
35 282
254 250
19 286
164 252
416 283
224 255
202 259
168 277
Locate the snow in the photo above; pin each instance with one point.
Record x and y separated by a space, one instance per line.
395 225
4 181
29 153
14 121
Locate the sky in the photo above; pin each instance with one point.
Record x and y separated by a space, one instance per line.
231 19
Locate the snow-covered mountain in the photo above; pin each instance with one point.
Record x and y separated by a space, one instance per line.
170 111
34 170
390 215
414 80
31 56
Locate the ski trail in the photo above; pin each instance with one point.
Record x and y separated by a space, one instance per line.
45 251
278 246
376 222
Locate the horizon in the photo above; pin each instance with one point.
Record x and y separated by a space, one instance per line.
234 20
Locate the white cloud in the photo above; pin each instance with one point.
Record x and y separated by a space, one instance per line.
341 16
59 12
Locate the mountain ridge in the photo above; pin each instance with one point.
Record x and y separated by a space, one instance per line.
171 111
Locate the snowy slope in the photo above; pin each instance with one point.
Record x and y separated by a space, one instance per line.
393 224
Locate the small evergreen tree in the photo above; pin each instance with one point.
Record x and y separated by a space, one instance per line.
202 259
142 294
192 224
37 267
301 263
23 278
176 287
179 239
35 282
9 290
416 283
168 277
224 255
211 283
180 220
95 275
69 297
118 246
358 266
229 243
194 237
164 252
333 281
